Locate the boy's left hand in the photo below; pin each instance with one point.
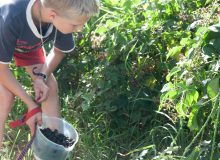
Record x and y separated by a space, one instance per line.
35 119
41 90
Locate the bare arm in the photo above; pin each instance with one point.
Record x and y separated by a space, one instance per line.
52 61
9 81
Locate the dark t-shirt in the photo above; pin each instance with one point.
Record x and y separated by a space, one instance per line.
19 34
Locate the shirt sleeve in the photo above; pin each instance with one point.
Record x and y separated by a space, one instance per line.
7 41
64 42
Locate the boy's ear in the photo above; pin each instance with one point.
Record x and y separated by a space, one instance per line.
52 14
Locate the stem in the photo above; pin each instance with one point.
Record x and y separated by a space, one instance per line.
16 138
204 125
215 132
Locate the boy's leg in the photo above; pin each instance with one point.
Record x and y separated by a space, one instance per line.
50 106
6 101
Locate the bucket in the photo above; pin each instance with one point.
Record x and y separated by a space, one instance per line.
45 149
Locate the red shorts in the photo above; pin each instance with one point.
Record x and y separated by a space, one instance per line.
31 58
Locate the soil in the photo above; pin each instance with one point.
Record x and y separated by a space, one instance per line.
57 137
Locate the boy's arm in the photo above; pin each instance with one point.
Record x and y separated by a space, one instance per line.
9 81
52 61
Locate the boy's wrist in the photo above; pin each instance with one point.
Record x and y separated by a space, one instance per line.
39 75
44 79
42 76
32 106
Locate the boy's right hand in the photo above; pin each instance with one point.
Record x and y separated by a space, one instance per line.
41 90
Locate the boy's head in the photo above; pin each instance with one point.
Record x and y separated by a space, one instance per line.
70 15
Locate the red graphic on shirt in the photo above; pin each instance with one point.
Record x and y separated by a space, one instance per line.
20 42
23 47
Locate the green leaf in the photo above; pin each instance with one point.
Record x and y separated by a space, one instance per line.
184 41
216 45
189 98
193 122
85 106
128 5
172 72
174 51
110 24
201 31
213 88
151 81
110 108
208 2
190 53
196 96
179 109
211 35
208 49
101 30
87 96
166 87
172 94
215 28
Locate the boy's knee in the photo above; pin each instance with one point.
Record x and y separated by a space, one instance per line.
6 94
52 84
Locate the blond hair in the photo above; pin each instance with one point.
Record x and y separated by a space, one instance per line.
68 8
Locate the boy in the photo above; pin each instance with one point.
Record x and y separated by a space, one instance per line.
25 25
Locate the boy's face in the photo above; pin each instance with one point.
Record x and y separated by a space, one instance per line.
65 25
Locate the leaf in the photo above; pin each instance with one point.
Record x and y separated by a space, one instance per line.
166 87
184 41
201 31
211 35
190 53
208 2
215 28
172 72
216 45
128 5
174 51
85 106
208 49
101 30
110 24
193 122
172 94
111 108
87 96
216 66
196 96
179 109
213 88
151 81
189 98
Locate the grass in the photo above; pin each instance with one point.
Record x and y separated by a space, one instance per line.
161 138
97 140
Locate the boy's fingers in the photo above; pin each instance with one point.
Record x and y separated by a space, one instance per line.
32 128
42 97
39 97
39 120
37 94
